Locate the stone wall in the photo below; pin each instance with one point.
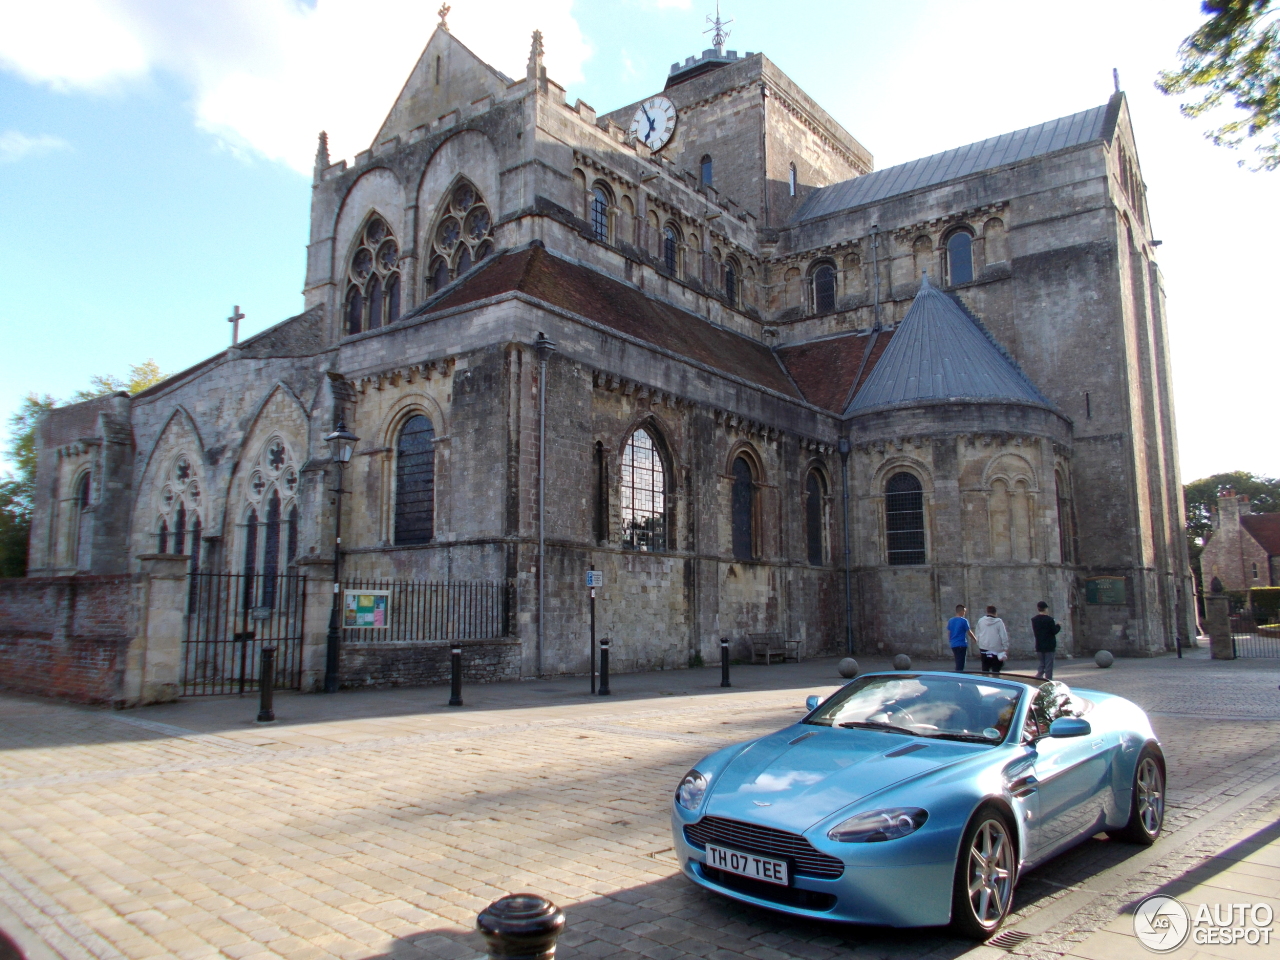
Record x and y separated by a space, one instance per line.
401 664
66 637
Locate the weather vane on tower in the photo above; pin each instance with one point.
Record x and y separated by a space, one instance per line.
718 25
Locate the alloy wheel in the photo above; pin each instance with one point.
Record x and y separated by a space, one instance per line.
990 873
1150 786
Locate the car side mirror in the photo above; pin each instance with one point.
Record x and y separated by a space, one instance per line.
811 703
1070 727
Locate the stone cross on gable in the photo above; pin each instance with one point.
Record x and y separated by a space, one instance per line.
234 320
444 12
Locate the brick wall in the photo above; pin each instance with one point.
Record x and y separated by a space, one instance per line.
65 637
410 664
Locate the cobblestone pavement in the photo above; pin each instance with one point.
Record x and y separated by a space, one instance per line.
377 824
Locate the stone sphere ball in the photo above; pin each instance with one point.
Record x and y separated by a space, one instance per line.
1103 658
902 662
848 668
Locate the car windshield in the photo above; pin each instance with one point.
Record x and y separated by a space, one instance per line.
947 708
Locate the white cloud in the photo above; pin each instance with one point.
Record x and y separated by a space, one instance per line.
267 75
15 145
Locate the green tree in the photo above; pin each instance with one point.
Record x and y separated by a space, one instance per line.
1234 58
16 489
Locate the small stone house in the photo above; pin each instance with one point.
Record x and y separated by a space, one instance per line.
1243 550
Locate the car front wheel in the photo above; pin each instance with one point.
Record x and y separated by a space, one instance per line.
1146 809
986 872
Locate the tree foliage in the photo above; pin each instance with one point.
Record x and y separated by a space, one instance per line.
1234 58
1263 493
16 489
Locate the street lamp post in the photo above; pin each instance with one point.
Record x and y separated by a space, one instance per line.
341 444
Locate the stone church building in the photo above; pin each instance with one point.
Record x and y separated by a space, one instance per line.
700 344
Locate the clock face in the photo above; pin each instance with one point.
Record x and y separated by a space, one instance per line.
654 122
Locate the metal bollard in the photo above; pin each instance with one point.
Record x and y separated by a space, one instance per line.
604 668
724 662
521 926
455 682
267 685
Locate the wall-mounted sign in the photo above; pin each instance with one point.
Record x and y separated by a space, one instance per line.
366 609
1107 590
595 578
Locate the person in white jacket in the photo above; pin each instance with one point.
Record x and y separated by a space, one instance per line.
993 642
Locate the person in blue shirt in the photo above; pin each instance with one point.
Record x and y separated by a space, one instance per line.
959 632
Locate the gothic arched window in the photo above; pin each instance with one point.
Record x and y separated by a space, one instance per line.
180 530
463 236
196 530
271 551
291 541
1066 538
600 213
706 170
824 288
670 247
415 482
813 497
250 557
743 510
904 519
163 546
643 489
959 257
373 273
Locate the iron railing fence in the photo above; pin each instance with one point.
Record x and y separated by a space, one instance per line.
1250 640
419 610
231 617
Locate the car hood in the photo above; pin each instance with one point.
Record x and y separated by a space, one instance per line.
797 777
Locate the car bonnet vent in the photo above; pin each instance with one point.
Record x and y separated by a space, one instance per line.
909 748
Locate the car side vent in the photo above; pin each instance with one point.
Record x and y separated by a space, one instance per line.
909 748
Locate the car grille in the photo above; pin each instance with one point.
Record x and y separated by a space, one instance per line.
766 842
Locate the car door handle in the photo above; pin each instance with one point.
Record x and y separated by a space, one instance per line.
1024 786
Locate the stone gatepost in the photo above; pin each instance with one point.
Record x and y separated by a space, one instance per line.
153 669
1217 609
319 574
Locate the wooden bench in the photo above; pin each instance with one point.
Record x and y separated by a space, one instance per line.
768 647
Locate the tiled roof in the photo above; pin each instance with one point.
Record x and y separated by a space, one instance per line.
1265 528
1072 131
824 369
623 308
940 352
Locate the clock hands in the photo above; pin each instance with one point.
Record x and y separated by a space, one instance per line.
652 123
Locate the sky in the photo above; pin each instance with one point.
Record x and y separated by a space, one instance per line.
155 157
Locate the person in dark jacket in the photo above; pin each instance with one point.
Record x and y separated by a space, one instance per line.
1046 630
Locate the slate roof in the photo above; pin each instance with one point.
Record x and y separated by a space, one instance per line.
824 369
1265 528
1072 131
940 351
623 308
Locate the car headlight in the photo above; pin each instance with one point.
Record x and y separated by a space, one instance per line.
878 825
691 790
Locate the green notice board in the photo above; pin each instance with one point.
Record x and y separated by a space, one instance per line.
1108 590
366 609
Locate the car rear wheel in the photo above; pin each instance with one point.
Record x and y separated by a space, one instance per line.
1146 809
986 872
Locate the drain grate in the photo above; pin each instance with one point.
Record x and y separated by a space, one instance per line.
1008 940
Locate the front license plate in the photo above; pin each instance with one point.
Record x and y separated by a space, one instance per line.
747 865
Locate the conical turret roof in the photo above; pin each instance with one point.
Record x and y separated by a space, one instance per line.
941 352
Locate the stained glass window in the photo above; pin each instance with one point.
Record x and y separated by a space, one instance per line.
904 519
743 510
196 530
291 540
180 530
163 546
415 482
355 309
271 551
373 293
731 282
643 491
669 241
393 298
462 237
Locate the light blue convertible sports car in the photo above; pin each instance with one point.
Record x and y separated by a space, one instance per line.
917 799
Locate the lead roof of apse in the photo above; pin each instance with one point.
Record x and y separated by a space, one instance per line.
941 352
1094 124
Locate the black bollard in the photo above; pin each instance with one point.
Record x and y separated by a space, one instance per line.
604 668
267 685
521 926
724 662
455 683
